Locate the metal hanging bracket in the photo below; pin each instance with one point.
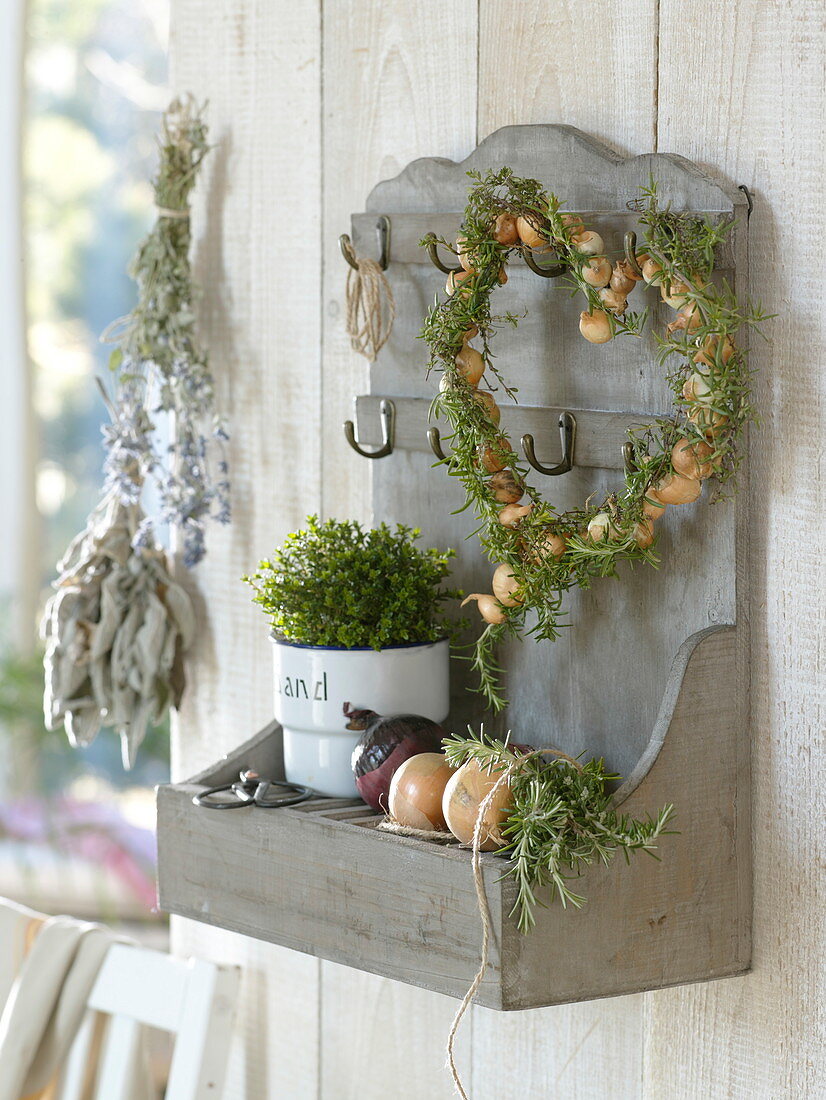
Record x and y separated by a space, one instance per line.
567 436
434 439
433 253
387 412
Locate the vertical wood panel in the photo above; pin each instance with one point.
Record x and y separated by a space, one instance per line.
747 98
399 83
592 66
258 226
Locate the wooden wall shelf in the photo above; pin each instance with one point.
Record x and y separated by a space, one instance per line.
652 675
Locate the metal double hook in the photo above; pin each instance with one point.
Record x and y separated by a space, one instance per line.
567 437
387 412
630 242
383 234
552 272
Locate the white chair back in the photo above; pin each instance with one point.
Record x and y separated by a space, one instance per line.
192 999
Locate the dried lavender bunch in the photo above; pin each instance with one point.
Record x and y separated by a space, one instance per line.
160 369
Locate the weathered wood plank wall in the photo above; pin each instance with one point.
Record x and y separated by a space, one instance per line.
311 104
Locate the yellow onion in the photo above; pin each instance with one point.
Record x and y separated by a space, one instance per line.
696 388
643 533
709 421
688 319
623 277
707 355
676 489
465 792
548 545
470 364
417 791
652 506
573 223
486 400
505 487
595 327
470 333
596 272
488 606
691 459
465 259
504 230
505 586
529 233
494 458
651 270
455 280
589 242
601 527
511 514
613 300
674 293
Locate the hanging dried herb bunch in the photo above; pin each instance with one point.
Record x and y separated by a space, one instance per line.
540 552
160 370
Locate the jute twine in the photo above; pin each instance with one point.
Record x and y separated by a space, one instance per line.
168 212
481 897
371 308
390 825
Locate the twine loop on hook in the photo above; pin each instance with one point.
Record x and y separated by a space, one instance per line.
371 308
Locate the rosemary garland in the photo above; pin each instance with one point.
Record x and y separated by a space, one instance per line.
541 552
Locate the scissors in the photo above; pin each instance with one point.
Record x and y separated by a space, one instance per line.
251 790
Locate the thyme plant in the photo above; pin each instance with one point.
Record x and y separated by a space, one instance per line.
561 820
337 584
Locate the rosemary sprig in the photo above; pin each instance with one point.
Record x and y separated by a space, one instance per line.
561 820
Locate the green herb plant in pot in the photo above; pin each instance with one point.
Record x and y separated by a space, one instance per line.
356 618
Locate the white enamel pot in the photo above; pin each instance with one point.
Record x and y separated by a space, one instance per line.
312 684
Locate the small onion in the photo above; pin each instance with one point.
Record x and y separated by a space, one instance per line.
624 278
707 420
386 743
417 791
470 333
489 607
676 489
486 400
549 545
652 506
505 586
601 527
511 514
503 275
674 293
471 365
504 230
573 223
494 457
529 234
596 272
613 300
464 794
595 327
643 533
465 258
505 487
454 281
651 270
696 388
688 319
589 242
708 353
691 459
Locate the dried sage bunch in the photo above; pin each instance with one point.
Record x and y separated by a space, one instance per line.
118 625
160 369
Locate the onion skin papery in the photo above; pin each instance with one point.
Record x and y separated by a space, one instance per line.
613 300
589 243
455 280
596 272
650 270
417 791
595 327
691 459
489 457
550 545
511 514
676 489
505 586
489 607
529 234
464 794
470 364
505 230
652 506
385 745
487 401
505 488
643 533
623 277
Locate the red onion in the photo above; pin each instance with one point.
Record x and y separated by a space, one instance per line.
386 744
